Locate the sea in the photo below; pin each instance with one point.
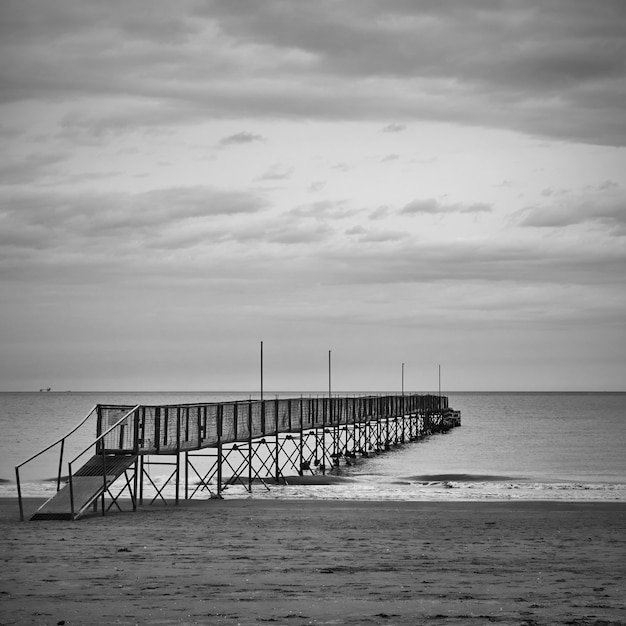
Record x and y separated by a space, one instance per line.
518 445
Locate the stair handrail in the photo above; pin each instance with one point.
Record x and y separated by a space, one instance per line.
105 433
93 443
34 456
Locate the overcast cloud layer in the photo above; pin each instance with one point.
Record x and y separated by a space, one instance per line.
393 181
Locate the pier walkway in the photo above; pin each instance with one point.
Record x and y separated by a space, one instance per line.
205 448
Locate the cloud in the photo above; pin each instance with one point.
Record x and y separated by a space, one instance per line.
426 206
378 236
477 62
394 128
477 207
430 206
293 234
80 221
603 206
356 230
277 172
552 69
323 210
503 184
30 168
243 137
528 263
10 133
380 213
316 185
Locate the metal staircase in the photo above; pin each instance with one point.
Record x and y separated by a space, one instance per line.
85 486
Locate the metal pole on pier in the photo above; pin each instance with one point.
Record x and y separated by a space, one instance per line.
329 374
440 387
335 429
261 371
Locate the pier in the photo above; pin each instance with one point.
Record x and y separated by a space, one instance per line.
206 448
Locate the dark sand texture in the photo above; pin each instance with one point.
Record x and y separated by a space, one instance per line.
319 562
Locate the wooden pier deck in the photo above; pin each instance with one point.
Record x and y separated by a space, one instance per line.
211 446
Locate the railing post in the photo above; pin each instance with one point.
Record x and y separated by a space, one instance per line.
250 446
99 428
360 416
289 413
186 453
136 416
323 437
140 469
157 428
379 425
104 481
276 440
219 450
166 426
300 440
19 493
354 428
199 420
387 417
60 465
135 483
69 466
177 454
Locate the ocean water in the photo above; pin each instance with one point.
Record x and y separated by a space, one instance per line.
548 446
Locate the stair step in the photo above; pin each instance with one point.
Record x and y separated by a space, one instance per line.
87 484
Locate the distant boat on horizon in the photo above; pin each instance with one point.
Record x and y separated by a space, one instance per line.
46 390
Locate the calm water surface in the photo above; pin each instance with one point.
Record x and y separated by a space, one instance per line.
511 445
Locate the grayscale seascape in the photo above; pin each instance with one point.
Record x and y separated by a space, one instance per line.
238 238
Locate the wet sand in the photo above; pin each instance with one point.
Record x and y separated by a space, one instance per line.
318 562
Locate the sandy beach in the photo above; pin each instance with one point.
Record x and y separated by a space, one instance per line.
318 562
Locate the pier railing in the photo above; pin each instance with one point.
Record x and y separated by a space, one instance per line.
60 444
168 429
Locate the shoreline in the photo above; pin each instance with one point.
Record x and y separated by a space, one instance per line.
6 502
32 502
456 487
314 562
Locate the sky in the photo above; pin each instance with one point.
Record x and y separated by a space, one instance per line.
421 183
